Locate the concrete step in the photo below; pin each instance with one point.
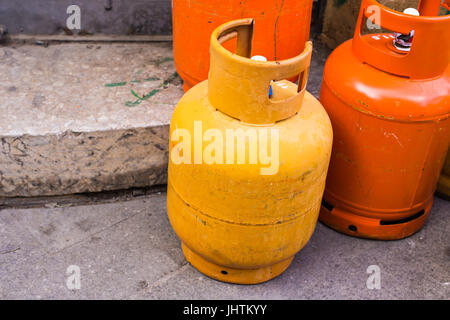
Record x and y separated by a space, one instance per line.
84 117
89 117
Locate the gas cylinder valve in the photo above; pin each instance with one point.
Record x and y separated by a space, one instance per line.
263 59
403 41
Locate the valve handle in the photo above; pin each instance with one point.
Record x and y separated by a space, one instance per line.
430 50
238 86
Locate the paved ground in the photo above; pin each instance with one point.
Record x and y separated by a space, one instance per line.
127 249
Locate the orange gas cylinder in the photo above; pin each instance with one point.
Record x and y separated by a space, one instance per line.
247 163
281 30
390 107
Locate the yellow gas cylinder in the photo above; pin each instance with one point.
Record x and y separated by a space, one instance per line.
249 154
443 188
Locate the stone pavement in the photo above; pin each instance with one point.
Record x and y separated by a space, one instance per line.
126 249
124 246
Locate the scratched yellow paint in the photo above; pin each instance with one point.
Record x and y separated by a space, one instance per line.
236 224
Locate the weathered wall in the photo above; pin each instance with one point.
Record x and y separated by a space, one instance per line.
340 18
150 17
98 16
